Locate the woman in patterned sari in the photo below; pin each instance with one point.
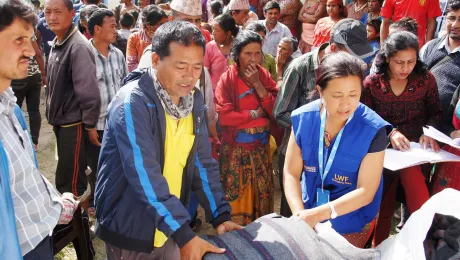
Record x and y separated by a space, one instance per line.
245 96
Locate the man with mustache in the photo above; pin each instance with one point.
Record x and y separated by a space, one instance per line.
30 207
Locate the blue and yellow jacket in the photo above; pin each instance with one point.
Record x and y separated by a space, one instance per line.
132 196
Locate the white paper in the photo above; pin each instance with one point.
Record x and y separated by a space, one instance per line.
441 137
396 160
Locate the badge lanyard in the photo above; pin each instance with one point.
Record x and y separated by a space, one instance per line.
324 170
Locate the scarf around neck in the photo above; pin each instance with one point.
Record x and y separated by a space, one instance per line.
175 111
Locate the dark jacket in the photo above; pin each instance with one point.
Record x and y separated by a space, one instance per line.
72 93
132 197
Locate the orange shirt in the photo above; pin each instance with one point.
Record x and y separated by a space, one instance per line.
420 10
322 32
137 42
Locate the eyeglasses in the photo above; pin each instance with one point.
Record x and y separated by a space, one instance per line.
452 19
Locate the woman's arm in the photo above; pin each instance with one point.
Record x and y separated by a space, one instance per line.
291 177
370 173
131 52
225 107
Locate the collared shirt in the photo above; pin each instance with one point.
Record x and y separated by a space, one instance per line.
273 37
110 73
444 44
299 81
37 204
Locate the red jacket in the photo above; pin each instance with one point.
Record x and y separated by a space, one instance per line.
227 102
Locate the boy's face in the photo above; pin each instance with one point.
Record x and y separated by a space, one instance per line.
371 33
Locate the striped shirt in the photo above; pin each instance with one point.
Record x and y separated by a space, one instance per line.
298 81
110 72
37 204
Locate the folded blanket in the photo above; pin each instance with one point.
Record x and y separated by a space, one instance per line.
277 237
443 239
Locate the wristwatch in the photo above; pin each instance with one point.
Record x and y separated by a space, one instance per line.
333 212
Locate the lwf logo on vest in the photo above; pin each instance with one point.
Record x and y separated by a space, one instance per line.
344 180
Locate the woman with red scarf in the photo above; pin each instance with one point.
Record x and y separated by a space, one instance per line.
245 96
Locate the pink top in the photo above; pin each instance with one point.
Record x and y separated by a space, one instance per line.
215 61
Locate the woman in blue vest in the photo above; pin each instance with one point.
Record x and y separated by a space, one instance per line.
334 159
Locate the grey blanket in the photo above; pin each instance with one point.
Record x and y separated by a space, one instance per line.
276 237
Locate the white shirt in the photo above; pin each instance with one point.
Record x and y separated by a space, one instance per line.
273 37
444 44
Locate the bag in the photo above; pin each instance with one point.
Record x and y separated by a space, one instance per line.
408 244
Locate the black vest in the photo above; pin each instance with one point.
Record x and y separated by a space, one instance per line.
447 75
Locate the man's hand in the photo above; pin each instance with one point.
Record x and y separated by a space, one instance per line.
93 136
455 134
43 80
281 59
69 205
196 248
227 226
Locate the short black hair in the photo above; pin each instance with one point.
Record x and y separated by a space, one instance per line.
127 20
97 18
375 23
256 27
181 32
152 14
398 41
68 4
12 9
92 2
134 13
272 5
337 65
216 8
87 11
227 23
407 24
244 38
452 5
36 3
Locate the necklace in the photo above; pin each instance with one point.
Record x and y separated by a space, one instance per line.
357 9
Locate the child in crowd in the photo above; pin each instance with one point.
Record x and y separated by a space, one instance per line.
126 24
373 33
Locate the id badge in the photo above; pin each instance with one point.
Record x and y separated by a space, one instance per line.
322 197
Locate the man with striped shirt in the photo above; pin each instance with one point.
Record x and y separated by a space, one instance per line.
30 207
111 68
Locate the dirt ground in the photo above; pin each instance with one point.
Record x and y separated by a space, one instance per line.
47 162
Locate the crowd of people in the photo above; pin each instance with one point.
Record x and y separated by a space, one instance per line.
159 107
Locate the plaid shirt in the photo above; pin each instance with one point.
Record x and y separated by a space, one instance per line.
298 81
37 204
110 72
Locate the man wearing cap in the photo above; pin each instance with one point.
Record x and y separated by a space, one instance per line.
299 80
189 11
239 10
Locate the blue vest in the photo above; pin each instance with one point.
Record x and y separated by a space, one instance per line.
343 175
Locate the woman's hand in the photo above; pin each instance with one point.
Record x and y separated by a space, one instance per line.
309 216
425 141
252 75
455 134
399 141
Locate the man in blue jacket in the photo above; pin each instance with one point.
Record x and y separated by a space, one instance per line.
155 152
